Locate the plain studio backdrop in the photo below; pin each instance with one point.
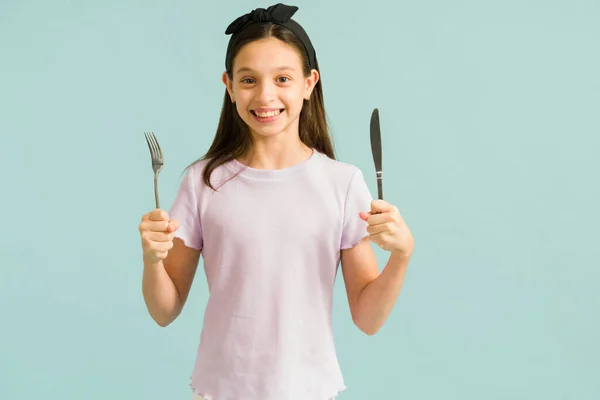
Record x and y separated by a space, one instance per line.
490 114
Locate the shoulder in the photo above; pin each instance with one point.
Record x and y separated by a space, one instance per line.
196 169
342 181
339 171
194 174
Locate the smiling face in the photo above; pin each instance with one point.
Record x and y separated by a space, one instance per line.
269 87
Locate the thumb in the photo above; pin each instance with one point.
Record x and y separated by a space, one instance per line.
158 215
379 206
173 226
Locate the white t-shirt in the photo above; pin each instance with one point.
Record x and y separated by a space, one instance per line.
270 242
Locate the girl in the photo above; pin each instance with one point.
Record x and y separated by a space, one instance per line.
273 214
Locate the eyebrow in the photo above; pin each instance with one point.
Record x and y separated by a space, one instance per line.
248 69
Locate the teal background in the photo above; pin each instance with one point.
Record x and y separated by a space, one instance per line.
490 115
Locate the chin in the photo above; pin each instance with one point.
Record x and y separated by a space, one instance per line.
263 131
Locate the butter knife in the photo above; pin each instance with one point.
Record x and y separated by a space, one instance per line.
376 150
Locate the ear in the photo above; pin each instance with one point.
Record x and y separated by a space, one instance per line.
310 83
228 85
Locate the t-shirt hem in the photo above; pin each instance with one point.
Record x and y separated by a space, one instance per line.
206 396
187 240
353 244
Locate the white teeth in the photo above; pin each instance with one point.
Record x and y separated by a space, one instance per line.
268 114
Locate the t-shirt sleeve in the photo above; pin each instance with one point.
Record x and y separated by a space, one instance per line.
358 199
185 210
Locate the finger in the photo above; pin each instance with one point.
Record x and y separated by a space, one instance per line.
162 246
381 239
376 238
157 247
376 229
158 215
366 216
173 226
161 255
380 206
382 218
154 226
159 237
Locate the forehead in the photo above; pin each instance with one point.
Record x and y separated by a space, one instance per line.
267 55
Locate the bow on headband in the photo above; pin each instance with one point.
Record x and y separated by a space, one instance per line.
279 13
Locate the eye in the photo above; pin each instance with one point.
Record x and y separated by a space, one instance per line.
248 81
283 79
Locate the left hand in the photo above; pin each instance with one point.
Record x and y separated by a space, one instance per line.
387 228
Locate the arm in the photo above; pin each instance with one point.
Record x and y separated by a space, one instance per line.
371 295
166 283
170 261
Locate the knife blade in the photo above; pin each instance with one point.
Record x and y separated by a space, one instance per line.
376 150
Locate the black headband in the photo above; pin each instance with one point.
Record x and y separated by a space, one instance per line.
279 14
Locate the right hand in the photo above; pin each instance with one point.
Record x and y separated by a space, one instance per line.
157 232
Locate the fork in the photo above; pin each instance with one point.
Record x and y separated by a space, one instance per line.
157 161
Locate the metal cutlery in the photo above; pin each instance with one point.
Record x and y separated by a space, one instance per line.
157 158
376 150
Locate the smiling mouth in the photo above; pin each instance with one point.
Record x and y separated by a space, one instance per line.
267 114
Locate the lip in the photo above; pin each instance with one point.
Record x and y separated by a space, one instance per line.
267 119
265 109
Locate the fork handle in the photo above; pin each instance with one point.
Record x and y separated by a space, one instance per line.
156 191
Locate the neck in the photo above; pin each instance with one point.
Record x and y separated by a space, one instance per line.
276 153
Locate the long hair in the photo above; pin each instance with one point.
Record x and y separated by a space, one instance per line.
233 138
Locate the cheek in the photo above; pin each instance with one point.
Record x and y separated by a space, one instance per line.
240 106
242 98
294 98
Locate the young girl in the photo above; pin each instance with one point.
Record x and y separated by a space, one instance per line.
273 215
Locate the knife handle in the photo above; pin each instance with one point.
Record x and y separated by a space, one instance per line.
380 185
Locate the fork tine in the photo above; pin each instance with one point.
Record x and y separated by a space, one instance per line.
149 145
157 145
151 140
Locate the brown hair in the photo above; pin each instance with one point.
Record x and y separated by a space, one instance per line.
233 138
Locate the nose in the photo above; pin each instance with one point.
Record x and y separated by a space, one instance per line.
265 92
